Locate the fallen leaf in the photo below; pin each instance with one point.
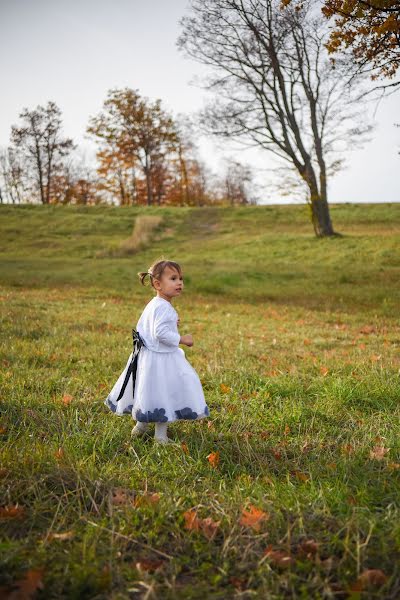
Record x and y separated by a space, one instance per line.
149 565
286 431
12 512
253 517
277 454
122 496
309 548
147 498
3 429
207 526
369 578
3 471
378 452
67 535
184 447
301 476
393 466
239 584
224 388
324 371
59 454
279 558
26 588
307 342
347 449
213 458
367 329
67 399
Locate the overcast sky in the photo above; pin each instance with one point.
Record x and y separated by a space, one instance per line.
74 51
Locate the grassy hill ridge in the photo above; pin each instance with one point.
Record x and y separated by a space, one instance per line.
288 490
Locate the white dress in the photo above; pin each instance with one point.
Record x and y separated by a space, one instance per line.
167 387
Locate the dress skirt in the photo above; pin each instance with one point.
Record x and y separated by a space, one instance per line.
167 388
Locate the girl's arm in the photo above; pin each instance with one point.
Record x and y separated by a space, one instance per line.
163 330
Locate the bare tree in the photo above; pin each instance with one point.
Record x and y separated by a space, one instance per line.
41 147
277 88
11 173
238 179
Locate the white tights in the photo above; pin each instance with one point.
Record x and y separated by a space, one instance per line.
160 429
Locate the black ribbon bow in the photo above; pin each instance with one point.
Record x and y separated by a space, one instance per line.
137 345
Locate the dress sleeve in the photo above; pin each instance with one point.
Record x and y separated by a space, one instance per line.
163 328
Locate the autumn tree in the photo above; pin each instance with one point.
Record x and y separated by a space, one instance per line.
136 134
41 148
276 87
371 30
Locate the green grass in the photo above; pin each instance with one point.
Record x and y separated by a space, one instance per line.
304 336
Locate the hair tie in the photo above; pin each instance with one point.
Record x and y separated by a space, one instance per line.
150 273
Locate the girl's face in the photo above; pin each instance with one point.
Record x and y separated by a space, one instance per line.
171 284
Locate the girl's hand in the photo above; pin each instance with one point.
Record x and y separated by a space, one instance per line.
187 339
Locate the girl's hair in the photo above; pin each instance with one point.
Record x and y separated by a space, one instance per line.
157 269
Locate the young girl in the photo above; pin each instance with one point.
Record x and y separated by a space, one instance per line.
164 387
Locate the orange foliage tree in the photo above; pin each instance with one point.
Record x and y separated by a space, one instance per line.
370 29
136 139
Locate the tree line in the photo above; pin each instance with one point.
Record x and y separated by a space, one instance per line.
290 77
144 156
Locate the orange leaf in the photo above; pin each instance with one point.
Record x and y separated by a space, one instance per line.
301 476
2 429
369 578
67 399
367 329
307 342
286 430
347 449
207 526
393 466
224 388
253 517
309 548
122 496
378 452
11 512
25 589
149 499
324 371
238 583
213 459
276 453
191 520
59 454
279 558
149 565
185 447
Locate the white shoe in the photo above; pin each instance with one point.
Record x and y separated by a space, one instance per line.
164 440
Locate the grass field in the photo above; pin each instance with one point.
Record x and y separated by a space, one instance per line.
289 490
